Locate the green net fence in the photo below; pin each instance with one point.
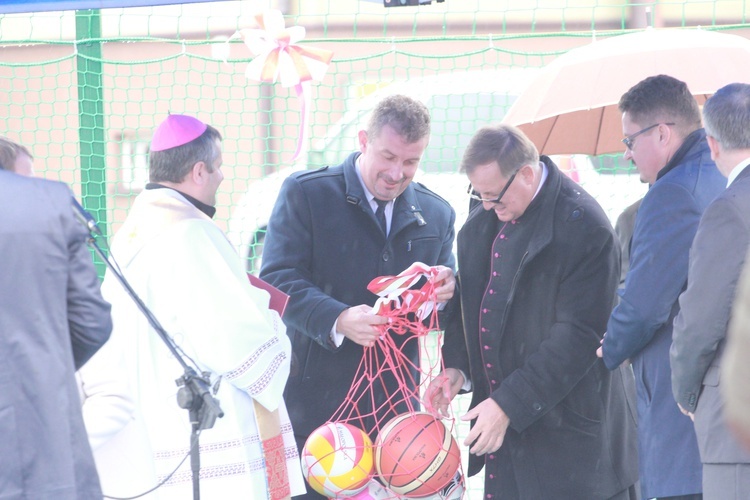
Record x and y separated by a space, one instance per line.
84 90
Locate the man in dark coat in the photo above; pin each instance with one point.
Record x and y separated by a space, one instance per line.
624 230
716 259
325 243
538 265
52 320
665 141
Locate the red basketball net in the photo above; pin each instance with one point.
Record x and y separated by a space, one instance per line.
418 451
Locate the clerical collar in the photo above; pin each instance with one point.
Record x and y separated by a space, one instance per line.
536 200
545 173
206 209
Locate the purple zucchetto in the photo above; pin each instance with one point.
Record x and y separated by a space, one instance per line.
175 131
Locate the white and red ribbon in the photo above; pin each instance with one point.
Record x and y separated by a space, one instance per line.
397 297
280 58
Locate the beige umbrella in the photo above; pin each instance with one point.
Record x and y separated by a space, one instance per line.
571 105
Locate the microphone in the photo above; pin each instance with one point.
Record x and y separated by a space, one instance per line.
85 218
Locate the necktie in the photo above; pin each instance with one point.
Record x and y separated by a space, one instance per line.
380 215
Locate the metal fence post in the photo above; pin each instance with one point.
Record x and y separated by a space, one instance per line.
91 119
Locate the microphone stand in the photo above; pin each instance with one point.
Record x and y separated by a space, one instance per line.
194 393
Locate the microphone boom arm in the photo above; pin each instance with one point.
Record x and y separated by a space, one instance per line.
194 393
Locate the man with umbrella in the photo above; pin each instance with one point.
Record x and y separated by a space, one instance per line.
664 139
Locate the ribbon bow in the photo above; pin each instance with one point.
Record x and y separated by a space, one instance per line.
398 299
279 58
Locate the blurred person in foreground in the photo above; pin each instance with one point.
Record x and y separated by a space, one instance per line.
188 274
115 428
331 232
52 320
735 370
716 259
664 139
538 266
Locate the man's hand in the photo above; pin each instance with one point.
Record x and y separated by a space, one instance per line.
687 413
445 283
441 391
600 351
359 325
489 430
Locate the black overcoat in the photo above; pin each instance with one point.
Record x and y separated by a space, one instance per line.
323 247
572 431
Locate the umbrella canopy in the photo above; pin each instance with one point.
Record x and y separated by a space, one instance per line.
571 105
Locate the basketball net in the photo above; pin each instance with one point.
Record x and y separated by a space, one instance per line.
388 382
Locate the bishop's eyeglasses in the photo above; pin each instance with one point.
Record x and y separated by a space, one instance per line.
476 196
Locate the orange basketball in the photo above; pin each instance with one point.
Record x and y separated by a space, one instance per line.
415 455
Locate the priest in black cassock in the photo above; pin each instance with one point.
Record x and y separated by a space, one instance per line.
538 265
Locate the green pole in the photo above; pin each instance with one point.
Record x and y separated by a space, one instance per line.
91 118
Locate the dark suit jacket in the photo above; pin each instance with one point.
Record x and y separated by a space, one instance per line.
52 319
572 432
716 260
624 230
323 247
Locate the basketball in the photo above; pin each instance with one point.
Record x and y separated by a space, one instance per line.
337 459
415 455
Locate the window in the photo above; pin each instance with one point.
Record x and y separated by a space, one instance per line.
131 153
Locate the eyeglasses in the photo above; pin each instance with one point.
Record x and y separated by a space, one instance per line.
629 140
476 196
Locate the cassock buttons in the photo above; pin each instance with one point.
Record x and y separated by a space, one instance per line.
576 214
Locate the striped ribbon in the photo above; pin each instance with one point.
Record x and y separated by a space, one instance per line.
396 298
280 58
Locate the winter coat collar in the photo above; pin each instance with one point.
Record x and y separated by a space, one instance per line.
691 140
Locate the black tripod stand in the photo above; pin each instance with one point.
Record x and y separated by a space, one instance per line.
194 394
